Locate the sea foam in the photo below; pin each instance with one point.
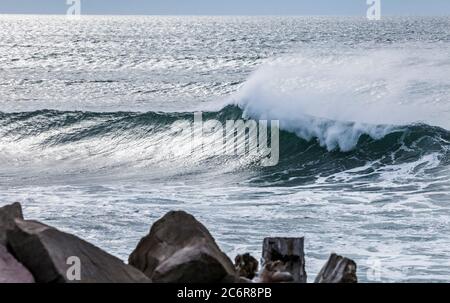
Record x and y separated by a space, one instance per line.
338 96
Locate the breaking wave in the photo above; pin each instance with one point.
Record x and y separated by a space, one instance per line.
83 142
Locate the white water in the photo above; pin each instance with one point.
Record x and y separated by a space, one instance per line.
338 96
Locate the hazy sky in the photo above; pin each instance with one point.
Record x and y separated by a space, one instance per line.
229 7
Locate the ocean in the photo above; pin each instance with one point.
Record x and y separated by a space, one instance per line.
86 108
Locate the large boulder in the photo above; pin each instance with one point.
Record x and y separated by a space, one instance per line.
7 215
52 256
290 254
338 270
179 249
11 271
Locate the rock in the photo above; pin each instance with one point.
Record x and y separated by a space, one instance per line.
192 264
246 266
7 215
11 271
290 252
243 280
179 249
338 270
275 272
45 251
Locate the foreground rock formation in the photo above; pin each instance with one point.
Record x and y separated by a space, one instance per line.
275 272
338 270
246 266
8 214
45 251
11 270
178 249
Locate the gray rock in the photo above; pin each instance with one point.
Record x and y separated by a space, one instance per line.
11 271
7 215
191 264
246 266
45 251
179 249
289 251
338 270
275 272
243 280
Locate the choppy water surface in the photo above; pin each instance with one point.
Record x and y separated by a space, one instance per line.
85 140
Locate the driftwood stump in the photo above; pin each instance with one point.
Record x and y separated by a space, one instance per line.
289 251
338 270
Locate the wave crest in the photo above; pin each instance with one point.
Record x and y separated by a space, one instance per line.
338 97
